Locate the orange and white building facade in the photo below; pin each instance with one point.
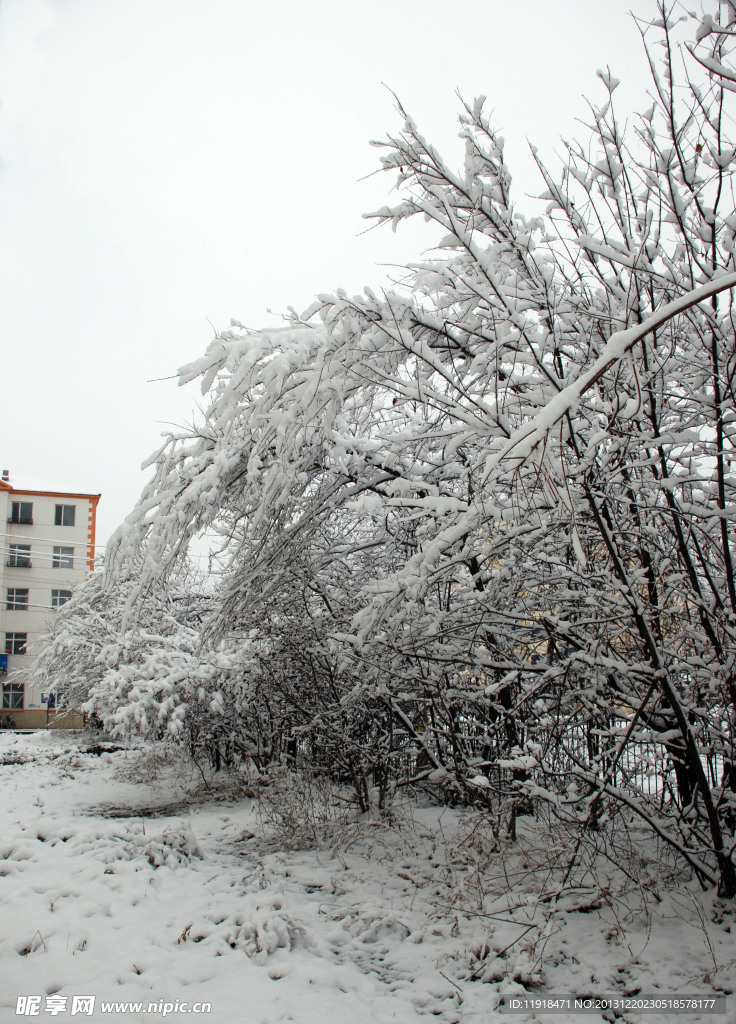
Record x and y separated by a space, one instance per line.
48 546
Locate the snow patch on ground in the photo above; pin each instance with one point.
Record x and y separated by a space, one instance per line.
123 877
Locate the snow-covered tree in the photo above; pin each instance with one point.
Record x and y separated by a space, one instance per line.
143 678
507 484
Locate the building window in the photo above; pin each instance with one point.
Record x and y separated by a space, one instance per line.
17 599
19 556
21 512
65 515
16 643
63 558
12 696
60 597
53 700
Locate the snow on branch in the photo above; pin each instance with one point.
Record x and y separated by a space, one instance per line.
525 439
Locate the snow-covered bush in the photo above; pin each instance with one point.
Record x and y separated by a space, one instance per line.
263 931
141 675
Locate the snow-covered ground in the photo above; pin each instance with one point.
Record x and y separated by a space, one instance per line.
123 877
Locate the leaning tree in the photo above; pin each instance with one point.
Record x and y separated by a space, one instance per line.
532 438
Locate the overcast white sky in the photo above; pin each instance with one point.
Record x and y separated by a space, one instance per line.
165 163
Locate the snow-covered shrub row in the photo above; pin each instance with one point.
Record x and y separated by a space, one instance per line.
479 530
140 664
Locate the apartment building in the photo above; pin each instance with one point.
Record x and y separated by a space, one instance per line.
48 547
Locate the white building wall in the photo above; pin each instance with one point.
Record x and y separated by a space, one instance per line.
45 574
